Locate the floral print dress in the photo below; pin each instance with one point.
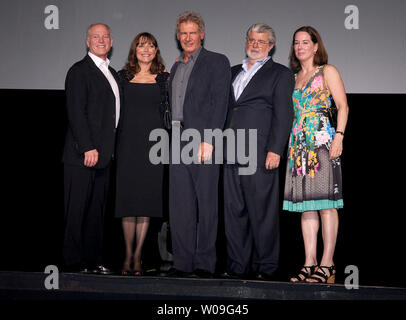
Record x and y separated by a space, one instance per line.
313 182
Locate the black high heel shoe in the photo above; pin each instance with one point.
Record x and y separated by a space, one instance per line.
126 270
137 269
304 274
323 277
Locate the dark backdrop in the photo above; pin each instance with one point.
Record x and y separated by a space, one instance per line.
371 232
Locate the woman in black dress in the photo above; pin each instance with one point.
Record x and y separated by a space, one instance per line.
139 182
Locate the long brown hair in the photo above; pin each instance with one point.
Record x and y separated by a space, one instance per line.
321 56
132 65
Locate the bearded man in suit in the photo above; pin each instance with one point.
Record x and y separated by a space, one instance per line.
93 109
260 99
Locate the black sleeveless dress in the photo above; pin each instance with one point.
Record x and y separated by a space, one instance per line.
139 183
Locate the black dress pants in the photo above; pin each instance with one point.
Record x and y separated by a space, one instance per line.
251 219
193 215
85 191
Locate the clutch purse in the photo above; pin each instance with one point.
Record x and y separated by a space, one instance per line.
163 80
167 116
332 114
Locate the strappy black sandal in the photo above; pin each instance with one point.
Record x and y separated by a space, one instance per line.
304 274
138 271
323 276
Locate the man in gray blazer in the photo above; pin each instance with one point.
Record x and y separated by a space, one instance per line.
260 99
198 91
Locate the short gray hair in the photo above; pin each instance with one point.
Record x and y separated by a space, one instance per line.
96 24
188 16
263 28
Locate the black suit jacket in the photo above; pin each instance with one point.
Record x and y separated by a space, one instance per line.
265 105
90 104
207 92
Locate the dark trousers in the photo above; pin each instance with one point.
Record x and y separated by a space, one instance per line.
193 215
85 191
251 219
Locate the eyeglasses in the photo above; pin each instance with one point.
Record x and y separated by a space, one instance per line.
260 43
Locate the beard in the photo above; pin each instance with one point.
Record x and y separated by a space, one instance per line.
255 54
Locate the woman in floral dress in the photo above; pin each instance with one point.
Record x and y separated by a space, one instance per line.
313 176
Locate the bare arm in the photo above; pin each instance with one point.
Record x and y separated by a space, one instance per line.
336 86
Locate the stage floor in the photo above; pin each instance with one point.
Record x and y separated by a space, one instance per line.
73 286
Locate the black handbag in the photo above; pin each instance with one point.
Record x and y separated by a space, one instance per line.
167 116
332 114
163 82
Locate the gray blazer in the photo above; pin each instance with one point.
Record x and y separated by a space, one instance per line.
207 93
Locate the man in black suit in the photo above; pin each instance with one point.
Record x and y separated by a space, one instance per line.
199 90
93 108
260 99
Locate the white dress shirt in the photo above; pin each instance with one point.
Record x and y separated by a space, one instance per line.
244 77
103 65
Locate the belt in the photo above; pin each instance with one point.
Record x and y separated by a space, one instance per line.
177 123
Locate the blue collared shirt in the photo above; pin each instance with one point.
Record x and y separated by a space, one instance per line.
244 77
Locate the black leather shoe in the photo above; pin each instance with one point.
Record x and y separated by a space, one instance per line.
102 270
231 275
175 273
262 276
204 274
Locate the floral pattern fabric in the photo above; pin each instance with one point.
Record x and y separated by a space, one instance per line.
311 138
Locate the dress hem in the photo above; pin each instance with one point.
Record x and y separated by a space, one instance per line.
312 205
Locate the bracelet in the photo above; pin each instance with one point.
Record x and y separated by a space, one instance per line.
340 132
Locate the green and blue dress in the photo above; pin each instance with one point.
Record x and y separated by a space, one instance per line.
313 182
